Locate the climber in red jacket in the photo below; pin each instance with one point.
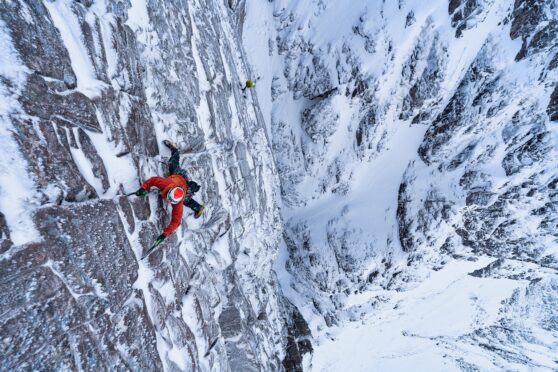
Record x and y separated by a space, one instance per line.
176 189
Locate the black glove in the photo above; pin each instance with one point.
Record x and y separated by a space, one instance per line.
159 240
141 192
193 186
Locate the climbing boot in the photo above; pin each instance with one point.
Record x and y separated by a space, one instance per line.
170 145
198 212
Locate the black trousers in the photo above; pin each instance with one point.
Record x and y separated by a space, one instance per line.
174 161
174 168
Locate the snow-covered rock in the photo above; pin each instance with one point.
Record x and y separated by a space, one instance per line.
89 89
384 197
412 137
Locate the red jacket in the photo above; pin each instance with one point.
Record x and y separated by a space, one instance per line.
165 184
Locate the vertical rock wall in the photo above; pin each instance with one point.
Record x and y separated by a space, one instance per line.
91 89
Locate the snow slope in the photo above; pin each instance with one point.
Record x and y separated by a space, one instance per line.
430 327
413 137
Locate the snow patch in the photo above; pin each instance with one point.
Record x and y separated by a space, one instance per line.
138 17
17 193
66 22
84 165
413 323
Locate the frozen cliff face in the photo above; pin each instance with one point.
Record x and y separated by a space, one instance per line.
410 146
416 146
89 89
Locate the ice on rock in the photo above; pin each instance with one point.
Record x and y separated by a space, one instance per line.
89 90
385 196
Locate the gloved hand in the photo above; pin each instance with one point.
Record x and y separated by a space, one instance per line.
193 187
141 192
159 240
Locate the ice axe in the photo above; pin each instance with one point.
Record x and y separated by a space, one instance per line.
157 242
141 191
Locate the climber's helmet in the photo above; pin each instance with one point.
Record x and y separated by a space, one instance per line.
175 195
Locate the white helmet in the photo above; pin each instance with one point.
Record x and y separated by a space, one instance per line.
175 195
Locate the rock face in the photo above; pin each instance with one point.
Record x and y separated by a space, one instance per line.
69 301
90 89
396 164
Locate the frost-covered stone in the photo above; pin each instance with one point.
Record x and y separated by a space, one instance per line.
552 109
463 12
321 120
96 87
413 146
